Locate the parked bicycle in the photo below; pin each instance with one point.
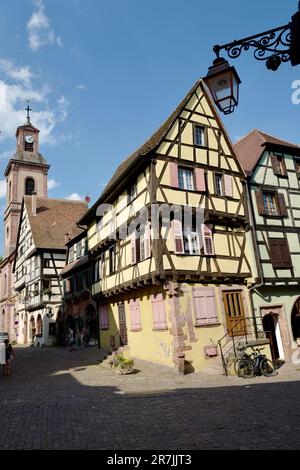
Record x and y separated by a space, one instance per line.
250 365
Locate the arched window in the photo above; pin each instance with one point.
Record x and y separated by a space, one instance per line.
29 186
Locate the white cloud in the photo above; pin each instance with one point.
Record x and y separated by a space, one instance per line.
74 197
12 101
40 31
2 188
22 74
81 87
6 154
53 184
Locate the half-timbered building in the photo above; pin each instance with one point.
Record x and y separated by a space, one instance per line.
273 175
79 310
40 257
169 290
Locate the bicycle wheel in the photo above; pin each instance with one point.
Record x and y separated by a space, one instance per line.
244 368
267 367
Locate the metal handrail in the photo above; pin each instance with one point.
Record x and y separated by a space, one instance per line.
231 338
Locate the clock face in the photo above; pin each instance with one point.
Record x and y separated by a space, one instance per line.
28 139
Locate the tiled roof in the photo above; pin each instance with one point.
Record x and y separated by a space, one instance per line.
250 148
74 266
54 218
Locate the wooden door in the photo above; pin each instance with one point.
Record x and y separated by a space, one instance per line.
122 324
235 313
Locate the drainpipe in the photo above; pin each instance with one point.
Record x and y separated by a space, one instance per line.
256 252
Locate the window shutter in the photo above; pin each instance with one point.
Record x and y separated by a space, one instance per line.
200 179
173 169
158 312
178 237
228 185
275 165
260 202
207 240
104 319
205 308
135 314
281 205
133 248
147 240
280 253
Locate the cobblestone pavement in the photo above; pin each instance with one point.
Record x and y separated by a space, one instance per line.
58 399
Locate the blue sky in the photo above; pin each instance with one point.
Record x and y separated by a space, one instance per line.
103 75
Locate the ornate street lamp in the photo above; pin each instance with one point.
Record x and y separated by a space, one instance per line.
223 83
274 47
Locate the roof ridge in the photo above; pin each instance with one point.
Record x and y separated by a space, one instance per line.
246 135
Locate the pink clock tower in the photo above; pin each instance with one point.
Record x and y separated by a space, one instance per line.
26 172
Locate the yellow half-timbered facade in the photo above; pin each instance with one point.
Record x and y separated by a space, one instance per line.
170 243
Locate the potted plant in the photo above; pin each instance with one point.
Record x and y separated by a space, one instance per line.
121 365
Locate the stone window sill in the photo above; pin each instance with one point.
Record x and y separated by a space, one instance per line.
207 325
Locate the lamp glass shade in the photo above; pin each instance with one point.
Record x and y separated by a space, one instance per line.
223 83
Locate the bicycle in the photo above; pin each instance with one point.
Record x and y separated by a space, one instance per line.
254 364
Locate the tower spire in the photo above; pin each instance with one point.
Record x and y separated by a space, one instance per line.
28 109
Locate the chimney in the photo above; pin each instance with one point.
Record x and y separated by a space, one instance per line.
33 203
67 237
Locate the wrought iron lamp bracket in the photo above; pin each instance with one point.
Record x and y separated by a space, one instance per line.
273 43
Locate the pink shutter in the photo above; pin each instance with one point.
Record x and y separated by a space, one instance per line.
159 312
135 315
173 169
147 240
228 185
205 306
104 319
178 237
133 248
200 179
207 240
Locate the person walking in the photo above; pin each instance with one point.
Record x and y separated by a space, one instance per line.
9 357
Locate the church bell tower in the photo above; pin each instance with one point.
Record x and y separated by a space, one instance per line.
26 172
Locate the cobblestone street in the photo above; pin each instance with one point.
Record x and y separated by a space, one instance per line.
58 399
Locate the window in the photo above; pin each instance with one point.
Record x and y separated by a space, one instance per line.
278 164
207 238
29 186
28 146
86 250
280 253
78 249
36 288
297 166
46 263
191 243
100 224
141 244
46 286
71 254
270 204
112 259
219 184
185 179
159 312
205 308
199 135
132 192
97 270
